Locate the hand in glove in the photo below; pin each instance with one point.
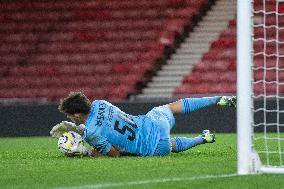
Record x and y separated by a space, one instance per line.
66 126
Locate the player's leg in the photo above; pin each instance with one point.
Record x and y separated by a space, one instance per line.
164 145
187 105
164 119
163 148
180 144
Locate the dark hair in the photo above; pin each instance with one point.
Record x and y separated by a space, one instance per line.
75 102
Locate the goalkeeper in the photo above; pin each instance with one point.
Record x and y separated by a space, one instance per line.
113 133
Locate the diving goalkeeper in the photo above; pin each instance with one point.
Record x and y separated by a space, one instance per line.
112 132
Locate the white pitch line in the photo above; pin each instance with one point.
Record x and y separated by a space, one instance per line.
117 184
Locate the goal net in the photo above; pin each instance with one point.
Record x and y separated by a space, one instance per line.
264 83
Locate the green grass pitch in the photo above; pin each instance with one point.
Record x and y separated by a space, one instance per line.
35 162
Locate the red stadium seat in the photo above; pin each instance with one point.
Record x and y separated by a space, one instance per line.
100 47
216 73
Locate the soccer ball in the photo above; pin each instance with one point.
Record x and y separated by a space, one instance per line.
70 143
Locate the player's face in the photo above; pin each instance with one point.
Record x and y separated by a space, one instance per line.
76 118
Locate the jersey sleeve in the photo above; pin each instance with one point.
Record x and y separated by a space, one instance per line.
100 143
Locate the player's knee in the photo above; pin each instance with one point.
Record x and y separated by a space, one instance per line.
174 147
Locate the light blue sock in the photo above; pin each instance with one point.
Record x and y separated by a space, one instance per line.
184 143
192 104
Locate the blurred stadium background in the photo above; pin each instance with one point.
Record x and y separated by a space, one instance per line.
136 54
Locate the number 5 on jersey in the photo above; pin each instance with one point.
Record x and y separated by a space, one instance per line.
131 135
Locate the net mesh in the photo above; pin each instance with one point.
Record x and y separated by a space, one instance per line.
268 80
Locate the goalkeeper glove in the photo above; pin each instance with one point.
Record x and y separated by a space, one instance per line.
66 126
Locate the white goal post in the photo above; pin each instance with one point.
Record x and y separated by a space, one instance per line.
260 52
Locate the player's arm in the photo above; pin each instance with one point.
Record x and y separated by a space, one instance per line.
117 153
112 153
95 153
101 146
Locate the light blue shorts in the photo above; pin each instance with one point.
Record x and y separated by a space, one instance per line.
163 118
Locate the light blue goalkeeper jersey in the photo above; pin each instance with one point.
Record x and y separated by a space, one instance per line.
108 126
